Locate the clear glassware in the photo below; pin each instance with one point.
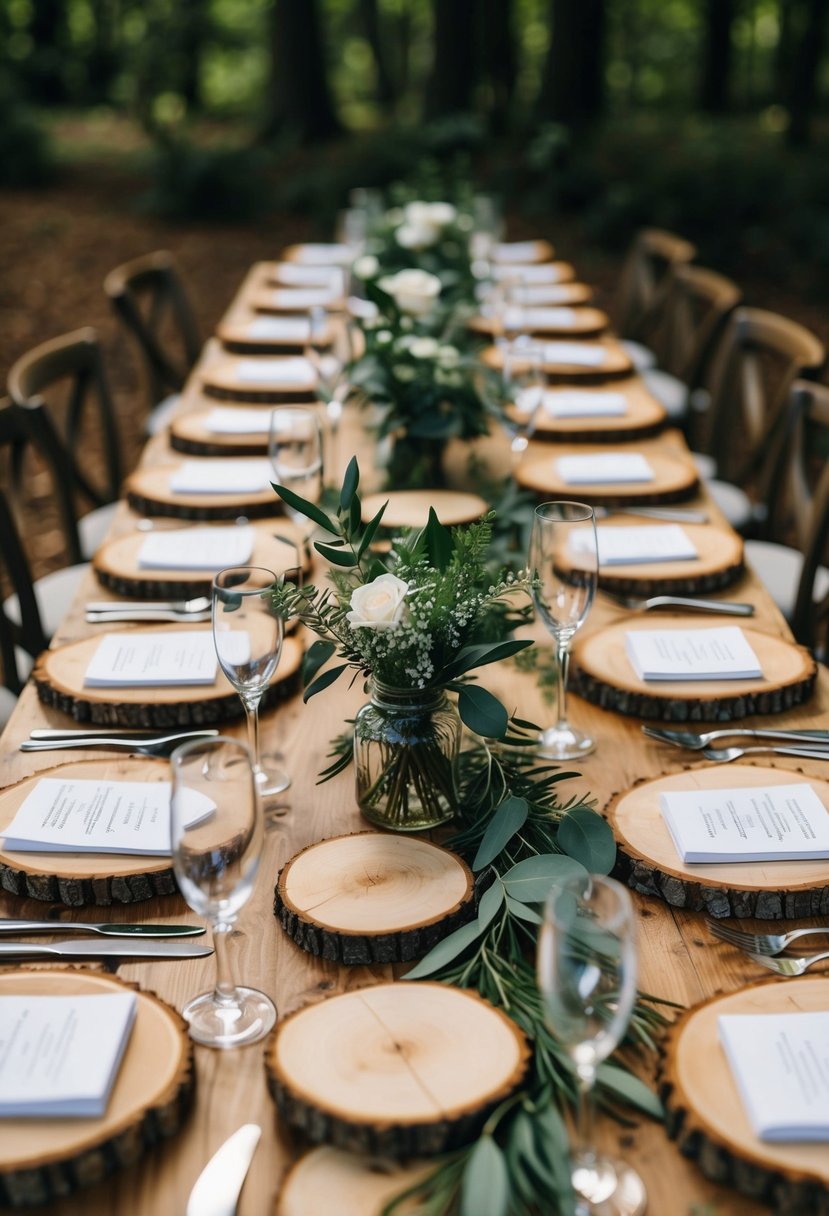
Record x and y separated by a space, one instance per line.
524 383
330 351
248 634
295 450
216 857
587 964
564 563
507 311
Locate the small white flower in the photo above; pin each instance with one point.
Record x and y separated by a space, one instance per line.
448 356
416 236
403 373
424 348
367 266
380 604
413 291
442 214
384 336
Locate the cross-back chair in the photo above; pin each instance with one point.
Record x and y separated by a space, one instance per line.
644 283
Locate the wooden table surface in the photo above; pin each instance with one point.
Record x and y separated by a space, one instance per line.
678 960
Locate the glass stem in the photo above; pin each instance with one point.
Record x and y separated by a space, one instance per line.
252 710
563 657
585 1148
225 991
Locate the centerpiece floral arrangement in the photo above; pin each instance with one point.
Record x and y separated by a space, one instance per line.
429 236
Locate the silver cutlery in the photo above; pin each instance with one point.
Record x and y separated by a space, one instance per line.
722 755
217 1187
760 943
140 733
655 602
124 947
788 966
200 604
160 745
696 742
675 515
146 618
104 929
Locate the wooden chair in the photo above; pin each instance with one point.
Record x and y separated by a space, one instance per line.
644 284
791 557
69 372
149 297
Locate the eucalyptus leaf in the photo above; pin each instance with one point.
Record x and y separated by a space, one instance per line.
444 952
309 509
530 880
324 681
482 712
485 1187
482 653
337 557
508 819
351 480
583 834
315 657
370 530
627 1086
523 911
355 515
439 544
490 904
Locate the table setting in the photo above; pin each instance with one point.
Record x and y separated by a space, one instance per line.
439 951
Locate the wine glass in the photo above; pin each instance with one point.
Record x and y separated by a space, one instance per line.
507 311
330 352
216 856
523 383
587 978
564 565
295 450
247 633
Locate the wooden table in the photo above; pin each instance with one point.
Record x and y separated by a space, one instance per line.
678 960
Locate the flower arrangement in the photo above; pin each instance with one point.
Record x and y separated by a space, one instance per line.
429 236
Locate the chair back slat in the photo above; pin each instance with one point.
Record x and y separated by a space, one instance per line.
644 281
698 305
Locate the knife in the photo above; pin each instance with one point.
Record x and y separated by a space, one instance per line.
217 1188
105 929
123 948
159 616
140 733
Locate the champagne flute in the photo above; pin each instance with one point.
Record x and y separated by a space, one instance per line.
587 979
295 450
247 633
523 385
564 564
216 856
329 351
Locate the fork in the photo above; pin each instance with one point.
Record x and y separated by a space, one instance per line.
696 742
722 755
655 602
147 617
200 604
789 966
162 745
679 515
759 943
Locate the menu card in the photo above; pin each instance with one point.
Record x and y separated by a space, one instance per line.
60 1055
549 318
637 545
543 293
603 469
218 476
295 275
581 403
234 420
515 251
776 823
285 370
545 272
293 329
579 354
321 254
197 549
692 654
302 298
63 816
156 659
780 1063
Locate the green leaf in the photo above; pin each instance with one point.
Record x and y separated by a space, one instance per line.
530 880
324 681
490 904
355 515
309 509
337 557
482 712
485 1187
524 911
439 544
508 819
350 482
483 653
444 952
583 834
315 657
370 531
629 1088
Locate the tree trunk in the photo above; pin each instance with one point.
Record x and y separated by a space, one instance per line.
498 60
300 100
47 29
453 69
715 85
192 26
371 25
572 88
102 65
807 57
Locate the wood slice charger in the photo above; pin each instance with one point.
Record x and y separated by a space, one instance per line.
615 363
242 333
44 1160
59 679
719 563
645 417
400 1070
148 493
117 567
674 479
410 508
650 864
602 674
541 320
78 879
221 380
329 1182
373 897
705 1113
191 434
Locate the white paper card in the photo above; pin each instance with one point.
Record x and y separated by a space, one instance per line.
581 403
579 354
549 318
62 816
320 254
773 823
60 1055
692 654
544 272
274 371
152 660
197 549
637 545
234 420
516 251
780 1064
604 468
293 274
544 293
217 476
289 329
302 298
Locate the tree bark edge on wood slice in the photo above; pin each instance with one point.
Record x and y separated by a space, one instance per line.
108 1149
387 945
388 1134
689 584
142 504
720 1158
347 1184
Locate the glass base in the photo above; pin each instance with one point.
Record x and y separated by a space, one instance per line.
564 743
271 779
605 1187
244 1018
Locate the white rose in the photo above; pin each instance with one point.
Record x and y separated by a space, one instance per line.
366 267
413 291
448 356
380 604
419 214
384 336
442 214
424 348
416 236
